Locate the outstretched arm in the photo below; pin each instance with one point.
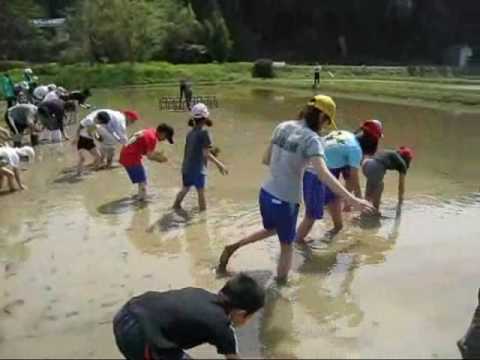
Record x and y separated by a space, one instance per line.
16 172
333 184
212 158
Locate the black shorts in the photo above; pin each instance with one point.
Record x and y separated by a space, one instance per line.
132 343
21 127
85 144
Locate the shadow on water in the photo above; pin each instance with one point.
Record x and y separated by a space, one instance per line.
172 220
122 205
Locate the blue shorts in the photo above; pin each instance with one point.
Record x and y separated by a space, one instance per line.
280 216
198 180
137 174
316 194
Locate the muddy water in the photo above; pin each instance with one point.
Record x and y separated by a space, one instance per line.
72 252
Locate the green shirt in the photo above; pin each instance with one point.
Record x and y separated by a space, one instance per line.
8 88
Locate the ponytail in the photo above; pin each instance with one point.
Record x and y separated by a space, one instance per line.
196 121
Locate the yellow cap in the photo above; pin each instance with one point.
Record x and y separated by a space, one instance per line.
326 105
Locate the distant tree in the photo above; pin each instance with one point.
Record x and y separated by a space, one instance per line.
19 39
218 39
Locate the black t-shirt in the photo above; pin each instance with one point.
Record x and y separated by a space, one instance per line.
184 319
52 113
392 161
77 96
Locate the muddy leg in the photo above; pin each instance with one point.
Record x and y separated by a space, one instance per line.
229 250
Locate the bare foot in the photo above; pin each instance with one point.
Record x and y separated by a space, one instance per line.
304 242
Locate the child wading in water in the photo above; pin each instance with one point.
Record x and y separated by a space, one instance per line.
197 154
376 167
161 325
10 163
141 144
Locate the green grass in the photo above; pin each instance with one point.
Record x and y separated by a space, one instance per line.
389 82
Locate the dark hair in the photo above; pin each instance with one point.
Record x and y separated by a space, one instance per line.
70 106
368 143
166 129
103 117
87 92
244 293
196 121
311 115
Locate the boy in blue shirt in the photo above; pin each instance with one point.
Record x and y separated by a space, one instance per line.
343 154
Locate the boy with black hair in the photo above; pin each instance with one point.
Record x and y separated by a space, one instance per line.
161 325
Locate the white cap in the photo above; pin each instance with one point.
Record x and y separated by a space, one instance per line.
52 87
199 111
28 71
26 151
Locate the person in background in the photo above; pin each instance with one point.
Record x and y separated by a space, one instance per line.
469 345
22 117
376 167
197 155
8 89
85 139
316 75
79 96
10 163
51 113
294 145
143 143
162 325
39 93
344 153
186 90
29 78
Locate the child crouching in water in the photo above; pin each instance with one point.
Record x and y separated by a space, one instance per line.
198 152
161 325
375 168
10 163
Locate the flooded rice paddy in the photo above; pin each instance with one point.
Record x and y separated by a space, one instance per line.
72 252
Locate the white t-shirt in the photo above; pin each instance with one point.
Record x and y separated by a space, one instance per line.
293 145
108 140
52 95
40 92
87 123
117 125
10 155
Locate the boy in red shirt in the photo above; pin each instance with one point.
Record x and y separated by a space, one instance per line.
141 144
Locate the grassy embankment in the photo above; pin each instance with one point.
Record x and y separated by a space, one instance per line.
387 82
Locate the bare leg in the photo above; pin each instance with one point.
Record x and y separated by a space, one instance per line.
285 262
81 162
97 159
335 211
4 172
304 229
180 196
2 178
202 202
142 191
230 249
374 195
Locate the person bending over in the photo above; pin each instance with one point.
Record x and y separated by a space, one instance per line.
162 325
